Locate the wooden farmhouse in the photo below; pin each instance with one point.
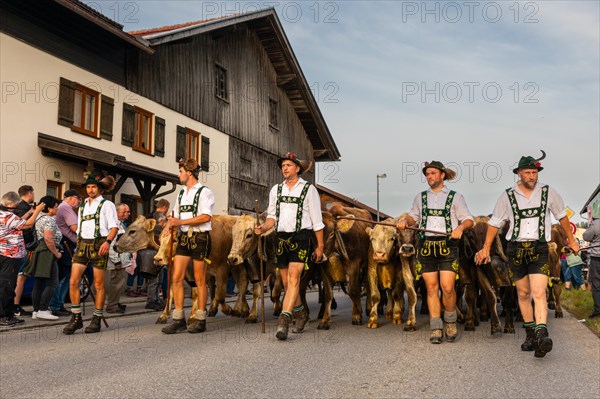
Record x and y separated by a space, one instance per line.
82 95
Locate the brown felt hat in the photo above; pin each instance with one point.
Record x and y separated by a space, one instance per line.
450 174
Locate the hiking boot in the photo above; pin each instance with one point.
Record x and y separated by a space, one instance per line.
544 344
300 320
436 336
283 324
197 326
94 325
530 343
451 331
74 324
176 326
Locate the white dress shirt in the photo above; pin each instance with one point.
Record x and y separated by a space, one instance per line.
108 218
206 202
529 227
311 208
459 212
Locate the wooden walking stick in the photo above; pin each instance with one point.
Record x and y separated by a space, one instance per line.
262 274
393 225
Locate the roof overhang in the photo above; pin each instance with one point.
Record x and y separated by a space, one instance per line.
69 150
584 209
105 23
290 77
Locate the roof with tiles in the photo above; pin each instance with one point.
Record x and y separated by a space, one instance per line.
161 29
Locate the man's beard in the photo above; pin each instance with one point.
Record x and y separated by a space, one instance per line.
435 184
529 185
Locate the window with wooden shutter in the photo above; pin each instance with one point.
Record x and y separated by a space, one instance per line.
221 82
128 132
273 114
159 136
205 161
85 111
193 145
66 99
106 118
142 130
181 144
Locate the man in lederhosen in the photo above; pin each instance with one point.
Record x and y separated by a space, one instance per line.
295 209
98 226
527 207
444 210
192 219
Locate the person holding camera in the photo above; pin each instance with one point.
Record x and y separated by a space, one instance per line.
12 253
592 235
43 265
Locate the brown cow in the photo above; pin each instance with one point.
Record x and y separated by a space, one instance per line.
217 267
244 248
386 270
347 253
559 238
486 277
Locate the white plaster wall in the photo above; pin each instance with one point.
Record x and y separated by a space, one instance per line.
30 81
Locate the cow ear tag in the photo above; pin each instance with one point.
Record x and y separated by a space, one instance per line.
345 225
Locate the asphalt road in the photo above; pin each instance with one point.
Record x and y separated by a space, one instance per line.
133 359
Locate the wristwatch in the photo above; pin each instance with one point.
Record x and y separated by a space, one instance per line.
109 241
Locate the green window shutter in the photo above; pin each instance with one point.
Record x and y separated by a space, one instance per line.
159 136
106 118
66 102
204 153
128 125
181 147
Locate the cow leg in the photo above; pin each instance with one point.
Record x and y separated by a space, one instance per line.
490 300
409 286
508 304
212 289
557 289
375 296
276 294
423 292
324 324
192 317
240 309
164 317
221 285
397 299
256 292
354 288
470 298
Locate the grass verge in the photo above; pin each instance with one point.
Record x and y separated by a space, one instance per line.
580 304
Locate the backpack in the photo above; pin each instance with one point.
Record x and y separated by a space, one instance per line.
31 240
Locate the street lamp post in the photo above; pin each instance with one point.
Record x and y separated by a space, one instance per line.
379 176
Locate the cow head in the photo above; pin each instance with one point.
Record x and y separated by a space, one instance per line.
161 257
384 241
244 241
406 240
139 235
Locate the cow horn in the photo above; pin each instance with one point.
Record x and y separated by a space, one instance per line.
543 156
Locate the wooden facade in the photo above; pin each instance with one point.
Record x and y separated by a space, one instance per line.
181 74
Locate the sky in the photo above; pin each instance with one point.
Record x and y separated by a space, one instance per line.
474 84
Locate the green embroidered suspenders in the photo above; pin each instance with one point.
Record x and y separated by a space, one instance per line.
189 208
291 200
445 213
95 216
520 214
